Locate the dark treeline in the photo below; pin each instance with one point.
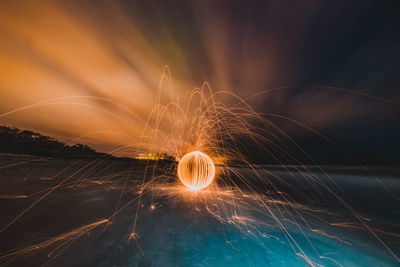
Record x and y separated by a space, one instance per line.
16 141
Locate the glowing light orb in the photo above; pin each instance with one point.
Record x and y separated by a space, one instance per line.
196 170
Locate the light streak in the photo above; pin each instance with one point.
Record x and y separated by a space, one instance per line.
60 241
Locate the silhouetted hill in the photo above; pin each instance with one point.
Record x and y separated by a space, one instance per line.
16 141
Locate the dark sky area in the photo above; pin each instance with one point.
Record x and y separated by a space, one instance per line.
346 44
338 62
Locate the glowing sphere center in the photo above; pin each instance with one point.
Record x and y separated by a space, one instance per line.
196 170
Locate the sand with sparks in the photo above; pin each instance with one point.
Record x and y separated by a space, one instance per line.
175 228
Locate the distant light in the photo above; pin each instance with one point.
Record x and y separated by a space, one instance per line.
152 156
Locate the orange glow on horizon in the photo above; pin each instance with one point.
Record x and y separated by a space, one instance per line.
196 170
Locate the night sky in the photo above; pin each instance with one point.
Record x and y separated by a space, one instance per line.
306 48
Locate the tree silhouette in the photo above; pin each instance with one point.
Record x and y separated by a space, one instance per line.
14 140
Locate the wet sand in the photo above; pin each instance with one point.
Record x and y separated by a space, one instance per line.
171 231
